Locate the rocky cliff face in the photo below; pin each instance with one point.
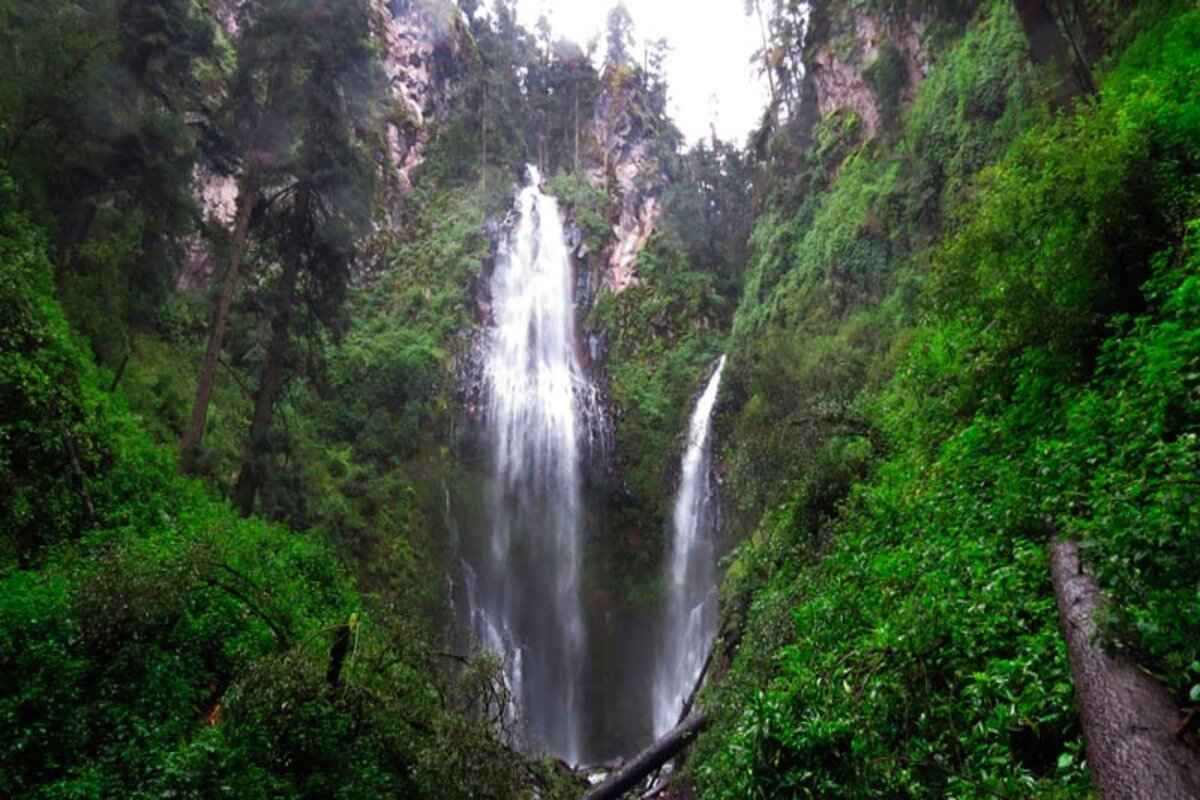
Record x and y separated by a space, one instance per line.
863 62
424 45
216 196
624 166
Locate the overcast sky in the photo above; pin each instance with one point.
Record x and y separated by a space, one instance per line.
709 71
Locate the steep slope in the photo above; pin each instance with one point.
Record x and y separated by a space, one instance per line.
890 623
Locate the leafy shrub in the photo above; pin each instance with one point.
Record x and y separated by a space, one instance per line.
49 439
586 205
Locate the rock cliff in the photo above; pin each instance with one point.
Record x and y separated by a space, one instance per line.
624 165
424 44
865 62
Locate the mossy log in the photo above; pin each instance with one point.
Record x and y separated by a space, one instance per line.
1129 720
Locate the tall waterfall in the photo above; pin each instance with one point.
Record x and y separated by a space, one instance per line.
691 607
523 578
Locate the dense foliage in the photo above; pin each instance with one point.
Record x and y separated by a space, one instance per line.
952 339
901 636
154 643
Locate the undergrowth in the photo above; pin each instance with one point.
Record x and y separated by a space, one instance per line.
903 640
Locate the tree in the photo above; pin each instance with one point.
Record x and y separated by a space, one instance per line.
97 98
298 62
255 121
619 35
655 74
754 7
543 89
584 86
1048 45
1134 746
709 210
317 205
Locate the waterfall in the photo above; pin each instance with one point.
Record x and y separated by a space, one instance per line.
523 576
691 606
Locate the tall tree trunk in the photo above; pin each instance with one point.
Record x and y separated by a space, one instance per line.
192 437
116 381
250 477
1073 24
74 227
338 653
1048 46
577 124
1092 29
766 43
1128 718
484 127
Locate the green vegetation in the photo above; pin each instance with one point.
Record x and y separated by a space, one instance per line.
901 637
152 642
665 334
950 343
888 75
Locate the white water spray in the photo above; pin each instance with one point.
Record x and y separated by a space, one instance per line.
691 607
524 584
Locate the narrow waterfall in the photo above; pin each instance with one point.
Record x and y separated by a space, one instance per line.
523 576
691 605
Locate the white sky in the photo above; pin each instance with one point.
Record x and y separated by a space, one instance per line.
709 72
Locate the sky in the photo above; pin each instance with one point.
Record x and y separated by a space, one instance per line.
709 73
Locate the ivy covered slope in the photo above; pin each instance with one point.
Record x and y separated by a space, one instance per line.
154 643
1017 359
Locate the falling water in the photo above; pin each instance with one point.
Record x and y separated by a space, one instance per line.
523 584
691 607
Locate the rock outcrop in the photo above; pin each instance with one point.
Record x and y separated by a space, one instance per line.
624 166
424 44
216 197
864 63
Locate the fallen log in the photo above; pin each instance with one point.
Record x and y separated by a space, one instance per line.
650 759
691 698
1128 718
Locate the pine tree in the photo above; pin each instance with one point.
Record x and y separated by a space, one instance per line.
306 73
619 35
318 194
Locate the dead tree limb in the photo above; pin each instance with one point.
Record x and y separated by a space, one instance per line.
1048 46
337 656
1128 717
78 470
687 711
649 760
691 698
116 381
